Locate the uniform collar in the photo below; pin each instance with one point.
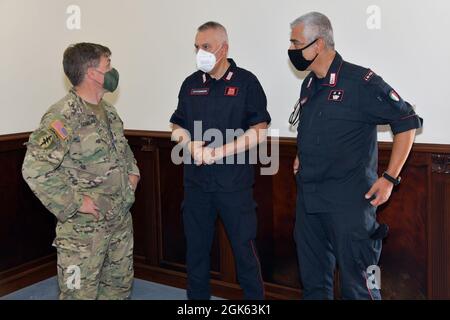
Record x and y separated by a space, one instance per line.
227 76
81 101
81 104
76 97
332 77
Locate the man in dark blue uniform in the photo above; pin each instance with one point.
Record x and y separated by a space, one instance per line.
214 101
341 105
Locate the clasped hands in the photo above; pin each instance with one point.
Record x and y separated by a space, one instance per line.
204 155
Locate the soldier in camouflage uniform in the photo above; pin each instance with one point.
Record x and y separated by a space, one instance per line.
80 166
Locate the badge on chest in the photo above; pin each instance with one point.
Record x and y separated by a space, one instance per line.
231 91
336 95
200 92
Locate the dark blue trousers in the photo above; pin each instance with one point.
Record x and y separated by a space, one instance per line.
238 214
342 238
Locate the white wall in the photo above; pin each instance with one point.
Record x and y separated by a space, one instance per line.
152 44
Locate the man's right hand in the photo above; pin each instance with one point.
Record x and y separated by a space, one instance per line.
89 207
296 165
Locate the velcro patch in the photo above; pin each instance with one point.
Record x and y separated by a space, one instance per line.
200 92
59 129
231 91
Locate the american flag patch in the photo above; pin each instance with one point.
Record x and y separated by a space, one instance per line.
58 127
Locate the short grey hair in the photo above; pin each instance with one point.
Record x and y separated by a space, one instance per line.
317 25
215 26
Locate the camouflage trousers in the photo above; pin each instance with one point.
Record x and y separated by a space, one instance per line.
95 258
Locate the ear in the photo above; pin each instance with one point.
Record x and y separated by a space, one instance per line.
90 73
320 45
225 49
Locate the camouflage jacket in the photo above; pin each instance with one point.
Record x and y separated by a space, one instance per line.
73 154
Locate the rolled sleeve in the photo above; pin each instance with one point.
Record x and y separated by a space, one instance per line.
179 116
382 105
407 123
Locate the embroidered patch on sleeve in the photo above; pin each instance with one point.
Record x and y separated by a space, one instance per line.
394 96
45 139
59 129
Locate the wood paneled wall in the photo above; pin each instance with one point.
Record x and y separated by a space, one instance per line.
415 262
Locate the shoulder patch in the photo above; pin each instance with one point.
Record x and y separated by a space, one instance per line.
394 95
45 139
369 75
59 129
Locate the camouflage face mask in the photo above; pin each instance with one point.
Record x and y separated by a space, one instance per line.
111 80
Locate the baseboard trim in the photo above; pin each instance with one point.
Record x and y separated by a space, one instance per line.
219 288
27 274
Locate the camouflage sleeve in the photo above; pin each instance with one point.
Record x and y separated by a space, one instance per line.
41 169
132 167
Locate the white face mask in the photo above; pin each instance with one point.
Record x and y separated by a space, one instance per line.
206 60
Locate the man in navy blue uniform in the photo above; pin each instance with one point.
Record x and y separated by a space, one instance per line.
338 188
212 103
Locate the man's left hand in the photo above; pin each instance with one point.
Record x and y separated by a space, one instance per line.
382 188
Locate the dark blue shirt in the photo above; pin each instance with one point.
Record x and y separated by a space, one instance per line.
337 134
236 101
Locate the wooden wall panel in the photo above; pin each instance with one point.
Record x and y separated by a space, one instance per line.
415 262
27 229
276 221
439 227
404 257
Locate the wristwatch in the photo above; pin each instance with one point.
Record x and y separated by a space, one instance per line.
394 181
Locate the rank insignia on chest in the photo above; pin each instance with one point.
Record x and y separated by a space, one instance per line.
336 95
231 91
59 129
200 92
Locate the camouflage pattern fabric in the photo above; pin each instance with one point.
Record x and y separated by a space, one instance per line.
72 154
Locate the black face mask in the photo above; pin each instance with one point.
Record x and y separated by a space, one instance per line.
298 60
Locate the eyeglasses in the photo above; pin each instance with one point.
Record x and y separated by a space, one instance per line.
294 118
